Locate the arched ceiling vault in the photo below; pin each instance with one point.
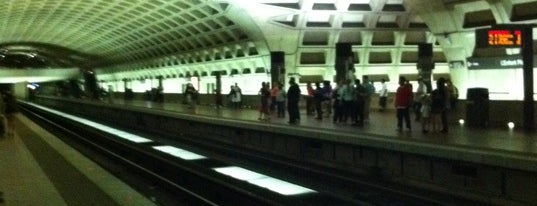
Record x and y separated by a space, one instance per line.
159 33
104 32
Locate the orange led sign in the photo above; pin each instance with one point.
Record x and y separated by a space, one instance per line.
499 37
505 37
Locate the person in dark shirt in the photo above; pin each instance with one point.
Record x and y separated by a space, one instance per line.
318 100
293 96
264 93
439 104
191 95
309 99
358 115
327 98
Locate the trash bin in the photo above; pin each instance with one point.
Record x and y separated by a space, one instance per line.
477 107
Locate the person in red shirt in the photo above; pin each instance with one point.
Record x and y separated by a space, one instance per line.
273 94
309 99
403 101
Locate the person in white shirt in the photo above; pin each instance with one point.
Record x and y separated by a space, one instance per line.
383 95
236 96
422 90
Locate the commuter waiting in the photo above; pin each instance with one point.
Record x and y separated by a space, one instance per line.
318 98
440 104
235 95
293 97
370 88
383 95
191 96
264 93
280 100
403 101
326 99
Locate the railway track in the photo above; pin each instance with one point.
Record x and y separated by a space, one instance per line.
150 162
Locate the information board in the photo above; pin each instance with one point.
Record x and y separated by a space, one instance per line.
498 37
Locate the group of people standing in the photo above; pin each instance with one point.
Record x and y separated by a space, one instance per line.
274 100
350 101
430 107
235 96
318 100
191 97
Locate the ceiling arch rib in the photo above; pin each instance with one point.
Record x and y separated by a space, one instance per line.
118 32
133 33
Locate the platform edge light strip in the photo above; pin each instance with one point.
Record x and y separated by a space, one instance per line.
119 133
270 183
178 152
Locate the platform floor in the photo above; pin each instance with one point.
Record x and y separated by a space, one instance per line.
381 124
36 168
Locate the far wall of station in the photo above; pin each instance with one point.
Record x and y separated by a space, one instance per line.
503 84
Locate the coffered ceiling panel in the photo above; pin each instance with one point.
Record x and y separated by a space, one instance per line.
113 31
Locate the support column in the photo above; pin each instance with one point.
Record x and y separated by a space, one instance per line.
218 76
159 94
277 67
127 94
527 57
425 64
125 86
344 61
160 79
218 89
90 84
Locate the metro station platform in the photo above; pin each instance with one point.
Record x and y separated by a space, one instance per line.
497 162
500 162
381 124
36 168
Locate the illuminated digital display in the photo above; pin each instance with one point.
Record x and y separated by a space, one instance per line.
499 37
505 37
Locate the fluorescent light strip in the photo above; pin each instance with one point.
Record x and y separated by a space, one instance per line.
178 152
119 133
270 183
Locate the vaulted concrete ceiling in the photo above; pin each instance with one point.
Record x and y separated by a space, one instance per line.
107 33
101 32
